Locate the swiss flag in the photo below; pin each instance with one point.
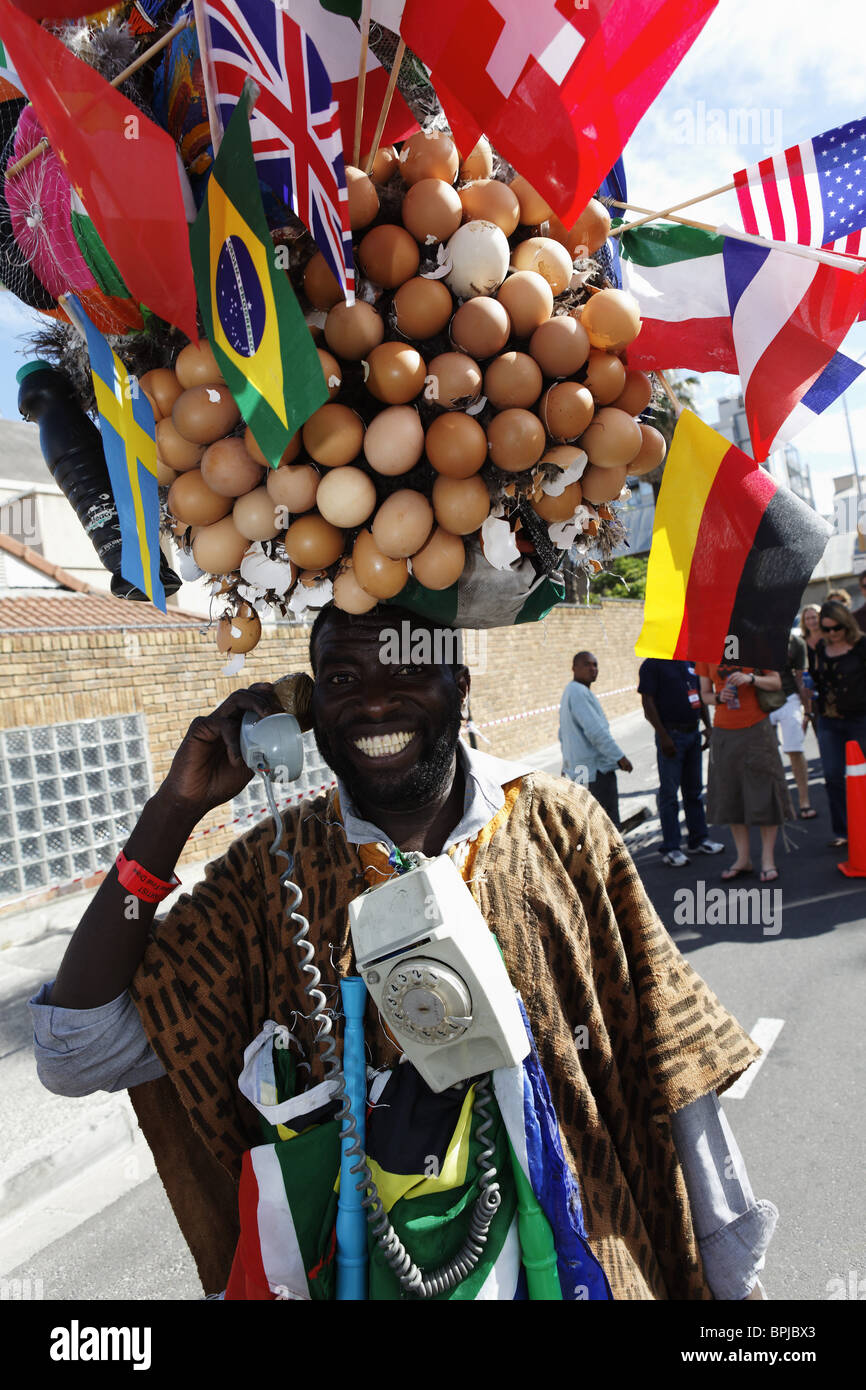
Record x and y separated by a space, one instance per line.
558 86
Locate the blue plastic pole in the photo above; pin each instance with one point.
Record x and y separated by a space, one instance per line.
351 1217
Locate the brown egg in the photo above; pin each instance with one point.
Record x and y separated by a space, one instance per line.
311 542
389 255
636 394
376 573
566 410
219 549
545 256
460 504
348 593
560 508
179 453
560 346
353 331
385 164
490 201
191 500
453 380
516 440
346 497
402 523
602 484
394 440
321 285
612 440
440 561
513 379
246 624
604 377
456 445
533 208
651 452
590 231
396 373
197 366
290 453
165 476
363 198
256 515
529 300
562 456
478 164
204 414
431 211
228 469
293 487
612 319
481 327
333 435
429 154
162 389
422 307
331 371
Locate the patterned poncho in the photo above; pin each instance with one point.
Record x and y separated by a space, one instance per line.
626 1031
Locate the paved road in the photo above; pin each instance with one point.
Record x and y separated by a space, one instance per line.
797 1125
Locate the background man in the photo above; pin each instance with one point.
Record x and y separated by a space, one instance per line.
671 697
590 754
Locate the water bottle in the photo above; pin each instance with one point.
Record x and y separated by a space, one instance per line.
72 448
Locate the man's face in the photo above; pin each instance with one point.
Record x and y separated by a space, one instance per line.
585 668
389 732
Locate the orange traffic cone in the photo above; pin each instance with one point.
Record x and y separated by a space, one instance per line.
855 794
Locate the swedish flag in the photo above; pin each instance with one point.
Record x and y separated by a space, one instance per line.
251 316
129 444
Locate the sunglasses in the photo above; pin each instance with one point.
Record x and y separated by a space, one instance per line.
834 627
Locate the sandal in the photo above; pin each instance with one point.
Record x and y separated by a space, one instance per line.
769 875
838 843
808 813
729 874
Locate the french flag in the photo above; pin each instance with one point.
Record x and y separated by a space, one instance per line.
788 316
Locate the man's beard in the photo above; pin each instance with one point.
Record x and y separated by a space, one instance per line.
405 790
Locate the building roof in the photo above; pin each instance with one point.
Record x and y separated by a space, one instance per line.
28 556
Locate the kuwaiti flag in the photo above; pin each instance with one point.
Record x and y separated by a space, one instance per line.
677 276
731 554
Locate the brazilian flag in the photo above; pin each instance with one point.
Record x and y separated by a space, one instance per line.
252 318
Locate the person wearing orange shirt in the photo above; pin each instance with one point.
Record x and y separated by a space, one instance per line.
745 780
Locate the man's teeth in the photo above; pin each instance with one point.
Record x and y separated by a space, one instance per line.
383 744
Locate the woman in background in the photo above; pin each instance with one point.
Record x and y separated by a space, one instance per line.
838 668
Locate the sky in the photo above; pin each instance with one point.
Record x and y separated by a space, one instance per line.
763 74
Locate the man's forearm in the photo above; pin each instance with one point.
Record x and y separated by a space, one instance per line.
110 940
652 715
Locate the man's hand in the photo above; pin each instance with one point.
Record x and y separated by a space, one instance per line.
208 769
624 764
667 745
740 678
705 741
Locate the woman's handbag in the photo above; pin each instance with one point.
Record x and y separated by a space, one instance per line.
770 699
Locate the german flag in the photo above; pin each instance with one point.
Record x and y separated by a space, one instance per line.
732 552
251 316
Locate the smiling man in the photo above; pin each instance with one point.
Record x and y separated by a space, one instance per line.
633 1045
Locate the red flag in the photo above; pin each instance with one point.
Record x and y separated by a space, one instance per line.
57 9
557 87
123 167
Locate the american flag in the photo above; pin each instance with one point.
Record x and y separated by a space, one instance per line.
295 125
813 193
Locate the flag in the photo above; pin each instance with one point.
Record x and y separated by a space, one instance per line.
852 245
613 186
10 83
677 276
731 554
251 316
788 316
339 44
295 124
557 87
811 193
123 167
129 444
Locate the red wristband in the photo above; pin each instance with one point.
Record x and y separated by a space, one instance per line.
140 883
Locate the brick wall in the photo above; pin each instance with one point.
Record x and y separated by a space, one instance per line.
171 675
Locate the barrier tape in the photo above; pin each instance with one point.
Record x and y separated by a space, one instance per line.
546 709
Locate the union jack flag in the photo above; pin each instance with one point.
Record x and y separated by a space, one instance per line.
295 124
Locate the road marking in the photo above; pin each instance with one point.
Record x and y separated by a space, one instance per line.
764 1033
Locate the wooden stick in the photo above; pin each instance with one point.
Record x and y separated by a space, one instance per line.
386 105
687 203
810 253
213 115
362 81
674 400
118 81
